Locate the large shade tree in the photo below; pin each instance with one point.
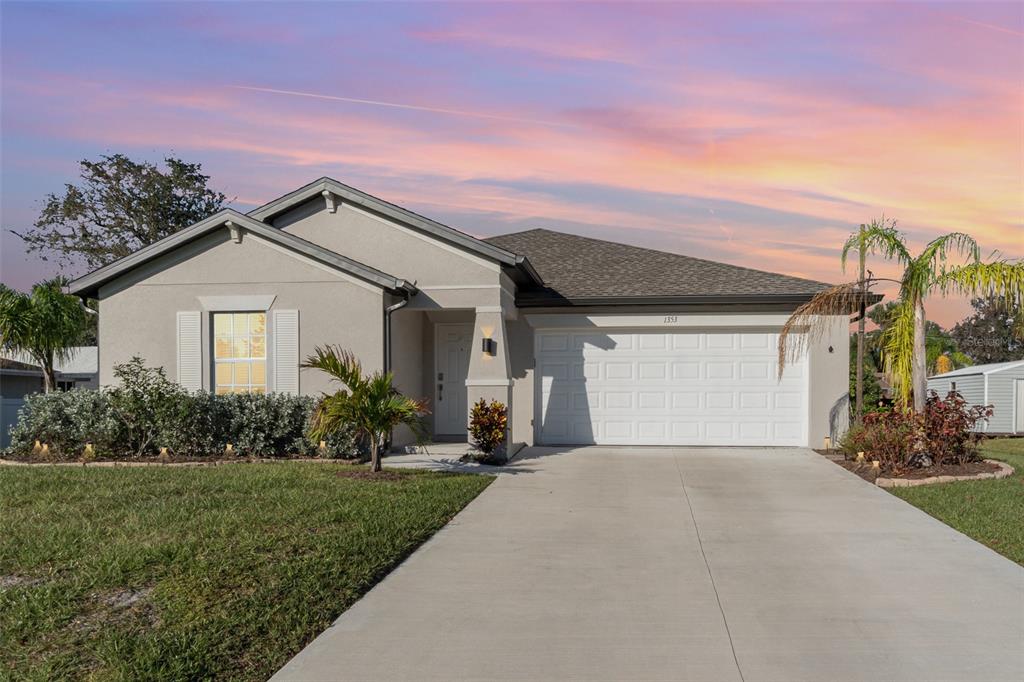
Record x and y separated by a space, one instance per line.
368 403
950 264
119 206
45 324
993 333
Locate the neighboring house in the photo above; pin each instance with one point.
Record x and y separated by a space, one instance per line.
20 376
587 341
999 384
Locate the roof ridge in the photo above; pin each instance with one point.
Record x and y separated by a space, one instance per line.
661 252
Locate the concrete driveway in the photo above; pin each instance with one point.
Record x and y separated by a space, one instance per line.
683 564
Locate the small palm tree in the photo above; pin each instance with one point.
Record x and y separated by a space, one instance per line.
368 403
45 324
903 340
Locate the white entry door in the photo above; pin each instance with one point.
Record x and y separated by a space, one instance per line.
640 387
451 413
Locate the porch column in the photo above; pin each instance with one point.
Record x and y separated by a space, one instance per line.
490 374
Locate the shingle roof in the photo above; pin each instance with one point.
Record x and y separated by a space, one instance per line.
580 268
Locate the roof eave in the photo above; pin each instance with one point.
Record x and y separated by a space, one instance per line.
88 286
526 300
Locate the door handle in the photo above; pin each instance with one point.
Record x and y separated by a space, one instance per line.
440 392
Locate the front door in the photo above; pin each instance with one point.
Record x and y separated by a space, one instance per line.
452 368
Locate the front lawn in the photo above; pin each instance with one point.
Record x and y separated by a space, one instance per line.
988 511
193 573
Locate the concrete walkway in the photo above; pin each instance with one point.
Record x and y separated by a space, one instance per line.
683 564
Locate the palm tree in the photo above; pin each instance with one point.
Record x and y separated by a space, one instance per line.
930 272
368 403
45 324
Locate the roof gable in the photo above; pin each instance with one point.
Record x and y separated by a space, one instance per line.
328 186
89 284
581 270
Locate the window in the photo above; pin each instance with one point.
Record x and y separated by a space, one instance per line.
240 352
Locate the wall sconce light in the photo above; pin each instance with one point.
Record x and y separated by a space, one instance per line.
489 346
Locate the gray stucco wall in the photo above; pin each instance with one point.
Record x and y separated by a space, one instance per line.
829 395
138 311
381 243
520 340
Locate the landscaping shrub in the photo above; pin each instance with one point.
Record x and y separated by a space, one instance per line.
884 436
901 440
66 421
948 425
488 425
146 411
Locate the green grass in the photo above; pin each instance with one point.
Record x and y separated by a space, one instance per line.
991 512
190 573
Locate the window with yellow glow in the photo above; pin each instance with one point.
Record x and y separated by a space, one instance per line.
240 352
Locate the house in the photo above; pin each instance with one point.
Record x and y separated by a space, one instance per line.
999 384
21 376
587 341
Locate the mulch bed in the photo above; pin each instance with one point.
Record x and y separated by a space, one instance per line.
864 470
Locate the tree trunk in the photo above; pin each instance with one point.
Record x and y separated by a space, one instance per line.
374 454
863 309
919 372
49 377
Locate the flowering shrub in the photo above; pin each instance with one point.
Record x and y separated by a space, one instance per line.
146 411
948 425
488 424
901 440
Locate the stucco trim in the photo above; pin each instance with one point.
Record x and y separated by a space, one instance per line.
488 382
89 284
215 304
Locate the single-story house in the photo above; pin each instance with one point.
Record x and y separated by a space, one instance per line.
999 384
21 376
587 341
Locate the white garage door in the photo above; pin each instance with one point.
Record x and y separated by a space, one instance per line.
635 387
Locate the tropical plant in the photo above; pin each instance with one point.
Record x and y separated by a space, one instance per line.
368 403
45 324
488 425
942 350
900 440
903 341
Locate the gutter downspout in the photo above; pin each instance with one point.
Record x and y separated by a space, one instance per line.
387 327
406 295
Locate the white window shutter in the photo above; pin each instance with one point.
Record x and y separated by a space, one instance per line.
286 351
190 350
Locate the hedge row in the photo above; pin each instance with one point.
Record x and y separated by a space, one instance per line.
146 412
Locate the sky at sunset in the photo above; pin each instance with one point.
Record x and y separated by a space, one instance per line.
757 134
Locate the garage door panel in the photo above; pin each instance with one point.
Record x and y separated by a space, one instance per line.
716 388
